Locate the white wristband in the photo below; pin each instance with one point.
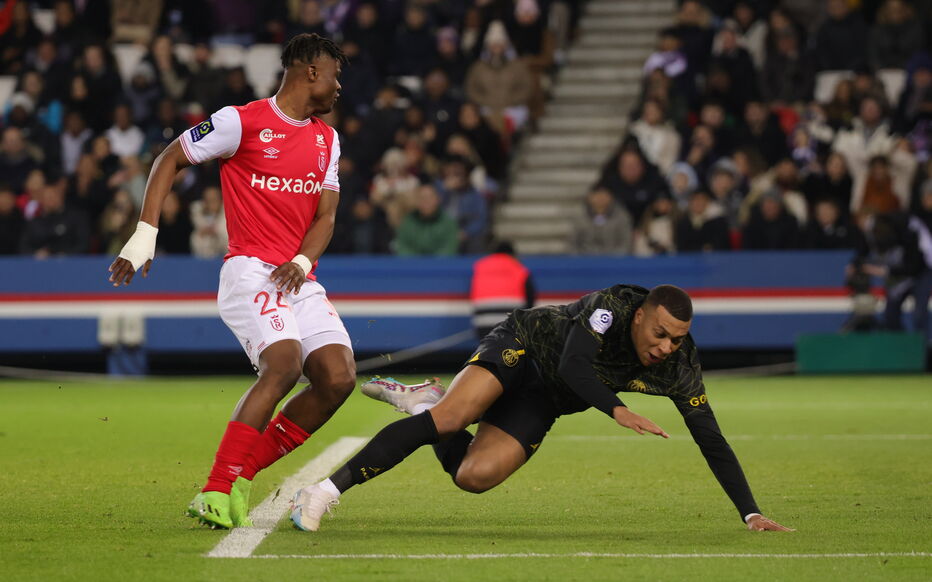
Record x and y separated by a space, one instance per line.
141 246
749 516
303 262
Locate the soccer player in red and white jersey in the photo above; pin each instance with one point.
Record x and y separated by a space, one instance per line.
278 171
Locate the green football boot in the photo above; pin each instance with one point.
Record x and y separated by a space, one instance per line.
239 502
212 508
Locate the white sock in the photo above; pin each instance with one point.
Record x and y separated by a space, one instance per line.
328 486
419 408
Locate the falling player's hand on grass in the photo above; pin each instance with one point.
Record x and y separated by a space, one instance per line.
122 272
761 523
288 277
636 422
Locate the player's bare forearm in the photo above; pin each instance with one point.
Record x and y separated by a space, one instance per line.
290 276
138 251
164 169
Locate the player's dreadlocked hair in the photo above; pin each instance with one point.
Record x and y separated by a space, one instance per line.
673 299
304 48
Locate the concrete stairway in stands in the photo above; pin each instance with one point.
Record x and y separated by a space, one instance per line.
583 124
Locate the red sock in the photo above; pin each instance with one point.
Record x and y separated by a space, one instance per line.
280 438
234 448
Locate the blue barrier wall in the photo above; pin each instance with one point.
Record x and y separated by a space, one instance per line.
743 300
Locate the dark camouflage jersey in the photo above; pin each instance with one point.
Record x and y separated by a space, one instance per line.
607 315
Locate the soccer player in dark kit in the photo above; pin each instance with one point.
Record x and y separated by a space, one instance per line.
540 364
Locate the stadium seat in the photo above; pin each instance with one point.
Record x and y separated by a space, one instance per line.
44 19
825 84
184 53
228 56
263 67
127 57
894 81
7 86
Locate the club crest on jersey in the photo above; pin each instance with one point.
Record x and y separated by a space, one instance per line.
510 357
637 386
202 129
322 162
277 323
267 135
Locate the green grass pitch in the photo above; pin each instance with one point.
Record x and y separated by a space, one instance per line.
94 479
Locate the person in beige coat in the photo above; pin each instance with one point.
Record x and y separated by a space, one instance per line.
499 82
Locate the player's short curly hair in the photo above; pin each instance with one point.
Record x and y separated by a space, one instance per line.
304 48
673 299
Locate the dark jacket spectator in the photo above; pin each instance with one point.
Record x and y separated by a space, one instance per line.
841 40
429 230
703 227
916 100
484 139
235 91
16 40
788 75
761 132
58 230
828 229
15 159
736 61
359 80
440 107
895 37
414 45
206 80
11 222
833 184
450 59
104 87
770 226
633 182
371 32
174 228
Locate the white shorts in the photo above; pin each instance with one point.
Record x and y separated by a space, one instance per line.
259 314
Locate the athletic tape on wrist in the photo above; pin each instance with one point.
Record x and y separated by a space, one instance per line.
141 246
303 262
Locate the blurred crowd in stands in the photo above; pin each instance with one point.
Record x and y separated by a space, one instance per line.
435 95
781 125
773 125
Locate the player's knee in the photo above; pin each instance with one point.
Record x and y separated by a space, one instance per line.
477 476
282 375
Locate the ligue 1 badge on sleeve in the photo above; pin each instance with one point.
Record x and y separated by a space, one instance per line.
202 129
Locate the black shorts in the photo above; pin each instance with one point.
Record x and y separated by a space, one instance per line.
523 410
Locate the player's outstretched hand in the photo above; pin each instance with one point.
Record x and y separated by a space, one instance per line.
122 272
288 277
761 523
636 422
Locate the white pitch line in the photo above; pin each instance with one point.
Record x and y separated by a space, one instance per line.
242 541
755 437
587 555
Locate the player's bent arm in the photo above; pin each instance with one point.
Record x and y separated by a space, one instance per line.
576 370
292 275
140 248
